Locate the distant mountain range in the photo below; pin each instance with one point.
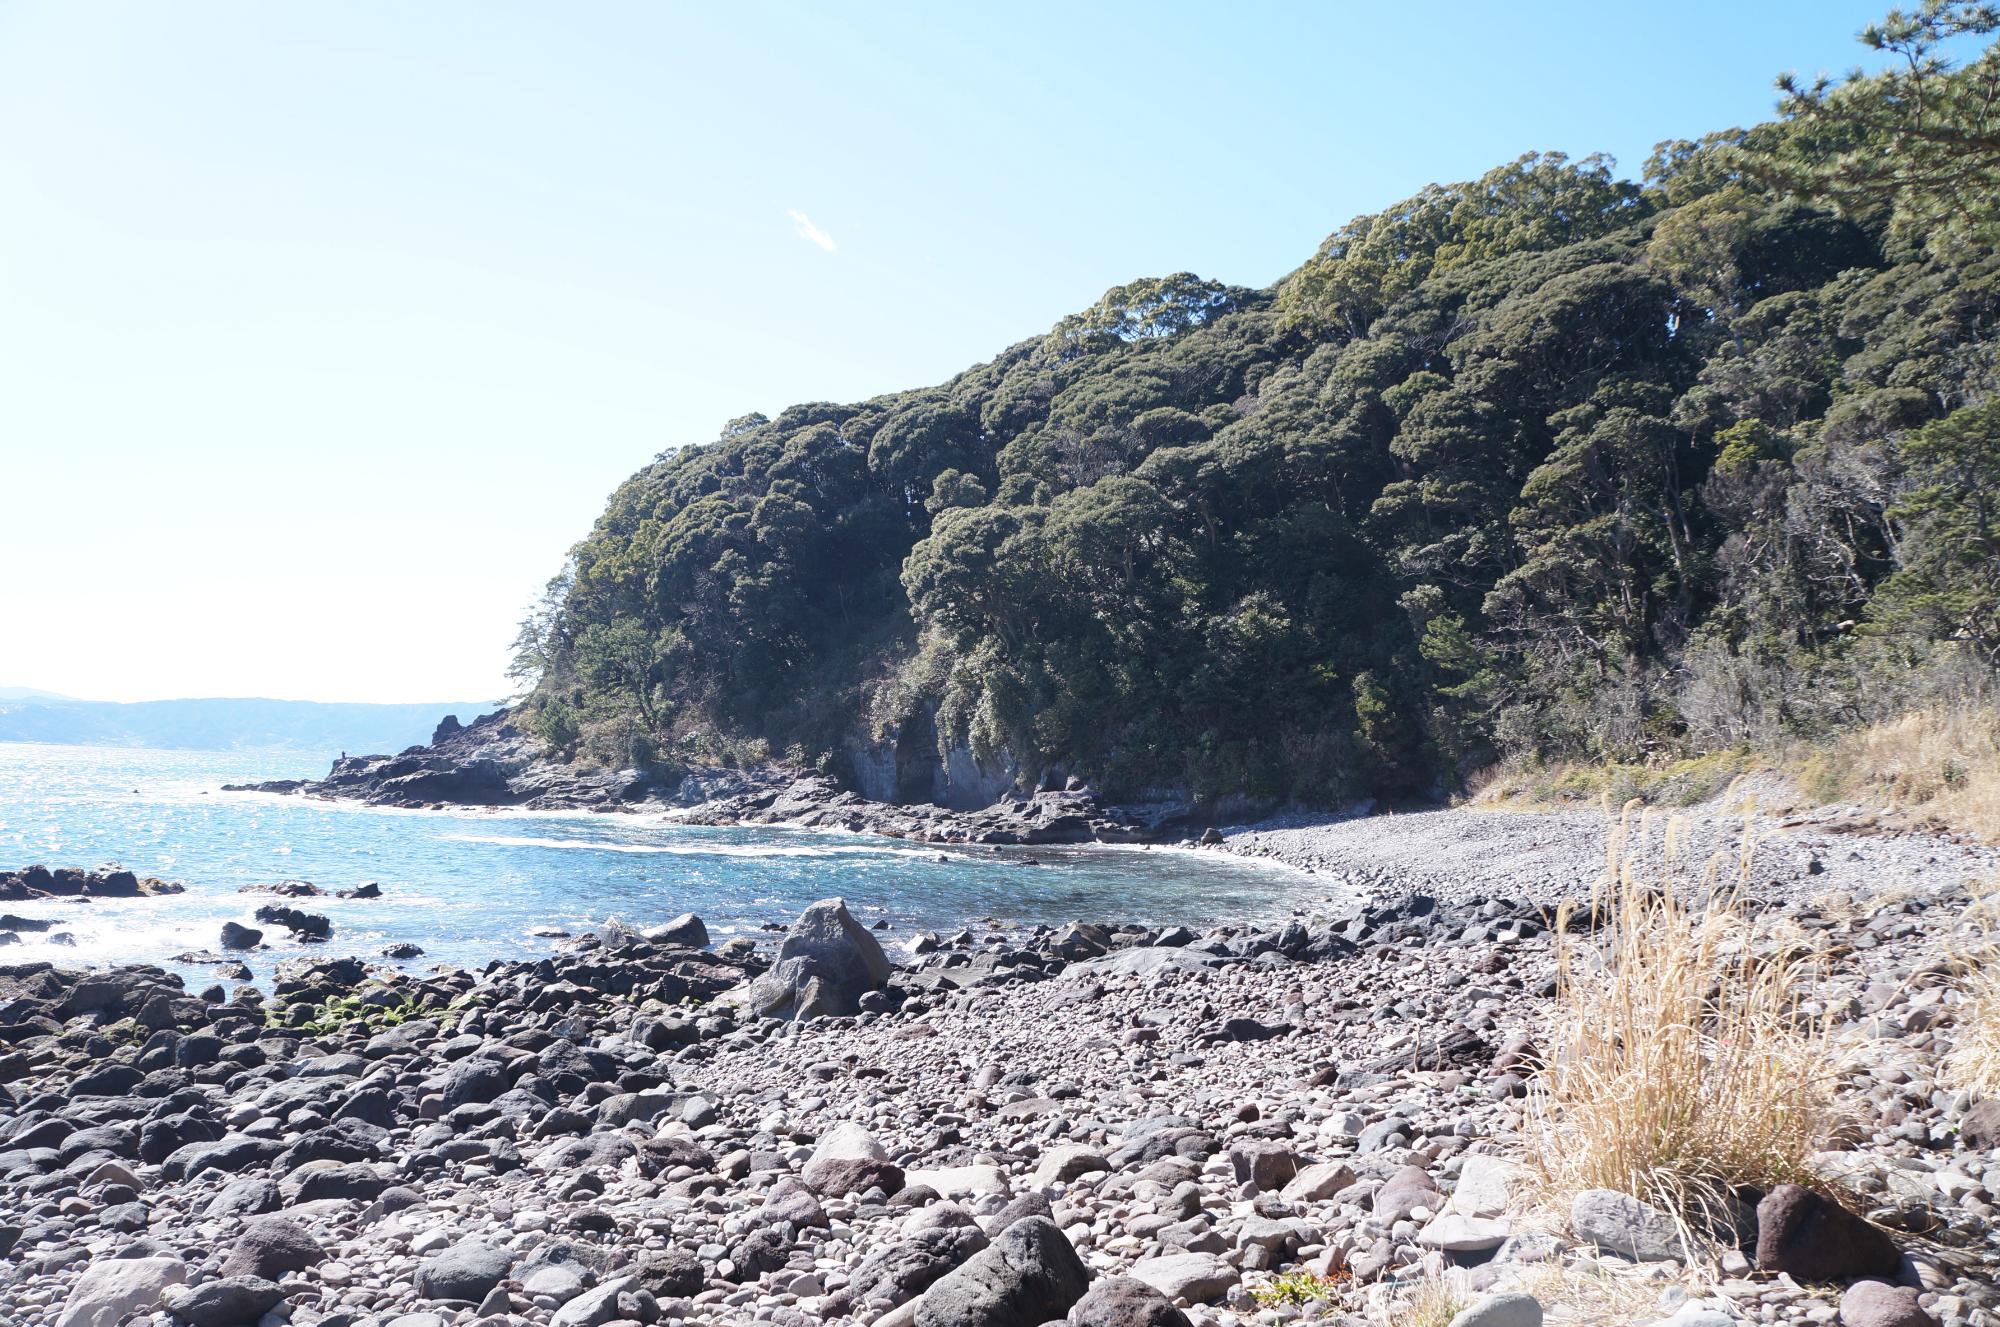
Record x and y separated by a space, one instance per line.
223 724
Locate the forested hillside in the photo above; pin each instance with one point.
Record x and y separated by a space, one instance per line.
1549 462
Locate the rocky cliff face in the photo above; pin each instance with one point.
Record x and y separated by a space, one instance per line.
894 772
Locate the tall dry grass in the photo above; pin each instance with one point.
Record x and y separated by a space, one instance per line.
1940 764
1683 1068
1974 1061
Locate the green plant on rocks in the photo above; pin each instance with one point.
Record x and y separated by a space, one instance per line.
1297 1289
367 1008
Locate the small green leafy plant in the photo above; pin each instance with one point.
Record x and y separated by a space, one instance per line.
1298 1288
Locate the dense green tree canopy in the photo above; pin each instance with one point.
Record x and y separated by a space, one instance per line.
1547 461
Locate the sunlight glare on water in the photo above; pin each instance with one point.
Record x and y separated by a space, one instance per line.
470 886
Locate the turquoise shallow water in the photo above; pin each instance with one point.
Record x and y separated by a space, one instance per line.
468 887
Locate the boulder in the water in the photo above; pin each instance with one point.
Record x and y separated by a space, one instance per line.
683 932
235 935
304 925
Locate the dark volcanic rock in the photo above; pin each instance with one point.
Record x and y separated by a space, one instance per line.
305 925
838 1176
229 1301
32 882
1120 1301
891 1276
269 1247
1815 1239
1027 1277
670 1273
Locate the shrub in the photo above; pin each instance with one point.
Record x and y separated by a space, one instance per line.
1298 1288
1684 1070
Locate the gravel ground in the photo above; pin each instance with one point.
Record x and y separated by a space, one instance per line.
1003 1127
1549 856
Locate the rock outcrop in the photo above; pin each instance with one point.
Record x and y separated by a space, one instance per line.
36 882
491 762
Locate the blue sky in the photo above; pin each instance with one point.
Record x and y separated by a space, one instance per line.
326 329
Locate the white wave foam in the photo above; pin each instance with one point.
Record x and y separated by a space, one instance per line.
704 849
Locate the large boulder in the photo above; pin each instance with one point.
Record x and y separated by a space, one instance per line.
235 935
111 1289
1028 1276
790 1201
269 1247
894 1274
826 963
1198 1278
1622 1224
226 1301
849 1160
1318 1182
1816 1239
670 1274
1120 1301
683 932
464 1272
1264 1163
594 1308
1071 1161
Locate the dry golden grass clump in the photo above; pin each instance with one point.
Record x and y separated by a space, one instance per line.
1942 764
1938 766
1431 1302
1592 1293
1974 1062
1683 1068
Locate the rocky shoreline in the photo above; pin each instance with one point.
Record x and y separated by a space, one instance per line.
492 764
1093 1124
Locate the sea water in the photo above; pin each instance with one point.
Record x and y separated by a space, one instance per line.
471 886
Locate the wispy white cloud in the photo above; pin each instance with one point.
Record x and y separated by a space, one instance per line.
803 227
